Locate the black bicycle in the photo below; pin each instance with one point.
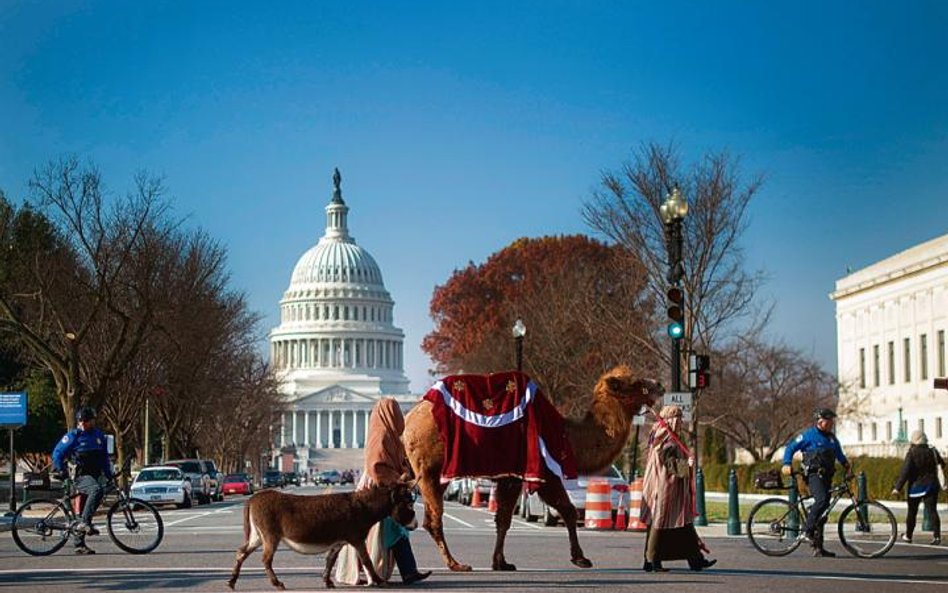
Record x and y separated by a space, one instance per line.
867 528
42 526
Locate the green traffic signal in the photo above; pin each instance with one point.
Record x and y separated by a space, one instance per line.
675 330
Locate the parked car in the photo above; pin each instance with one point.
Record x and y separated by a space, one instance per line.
202 485
163 484
237 484
347 477
534 508
217 480
330 476
291 478
273 479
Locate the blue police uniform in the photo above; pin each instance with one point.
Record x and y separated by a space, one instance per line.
89 450
821 451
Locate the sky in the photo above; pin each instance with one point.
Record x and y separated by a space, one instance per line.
460 127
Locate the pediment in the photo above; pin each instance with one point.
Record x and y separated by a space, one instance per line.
334 394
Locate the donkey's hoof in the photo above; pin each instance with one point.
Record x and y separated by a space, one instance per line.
582 562
505 566
458 567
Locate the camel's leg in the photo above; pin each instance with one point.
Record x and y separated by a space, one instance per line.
508 489
553 494
330 564
269 549
433 492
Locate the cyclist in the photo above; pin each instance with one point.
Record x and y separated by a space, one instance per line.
86 446
821 451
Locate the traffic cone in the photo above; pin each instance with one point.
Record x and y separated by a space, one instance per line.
635 507
476 501
621 522
492 501
598 504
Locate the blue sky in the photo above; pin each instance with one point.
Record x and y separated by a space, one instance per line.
459 127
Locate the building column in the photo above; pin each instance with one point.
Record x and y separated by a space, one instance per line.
368 414
306 416
283 429
319 429
344 433
295 431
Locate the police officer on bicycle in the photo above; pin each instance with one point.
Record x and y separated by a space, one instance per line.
821 451
86 447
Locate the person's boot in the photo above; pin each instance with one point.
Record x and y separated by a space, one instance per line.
700 563
84 550
655 566
822 552
418 576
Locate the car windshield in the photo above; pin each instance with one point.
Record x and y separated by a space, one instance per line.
158 475
235 478
210 466
273 474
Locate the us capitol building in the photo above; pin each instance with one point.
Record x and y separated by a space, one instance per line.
336 350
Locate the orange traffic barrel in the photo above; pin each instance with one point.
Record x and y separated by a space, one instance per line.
492 501
598 504
635 507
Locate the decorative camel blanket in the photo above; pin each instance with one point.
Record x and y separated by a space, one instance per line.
500 425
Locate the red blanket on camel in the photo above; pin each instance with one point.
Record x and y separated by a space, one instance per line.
500 425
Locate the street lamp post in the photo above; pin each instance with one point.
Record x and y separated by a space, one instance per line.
673 211
519 331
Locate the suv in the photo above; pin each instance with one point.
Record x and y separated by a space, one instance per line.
217 478
273 478
203 486
291 478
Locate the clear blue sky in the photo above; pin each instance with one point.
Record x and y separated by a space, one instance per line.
460 127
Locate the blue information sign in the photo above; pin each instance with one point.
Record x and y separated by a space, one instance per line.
13 409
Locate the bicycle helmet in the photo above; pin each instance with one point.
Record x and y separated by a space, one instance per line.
823 413
85 413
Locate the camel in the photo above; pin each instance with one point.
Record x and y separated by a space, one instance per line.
596 440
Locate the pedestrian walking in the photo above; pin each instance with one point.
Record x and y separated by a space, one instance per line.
385 463
668 501
920 475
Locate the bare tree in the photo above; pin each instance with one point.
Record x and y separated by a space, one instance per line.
626 210
765 393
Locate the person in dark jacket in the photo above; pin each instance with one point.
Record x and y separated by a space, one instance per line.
86 446
920 473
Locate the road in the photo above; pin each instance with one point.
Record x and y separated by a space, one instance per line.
198 551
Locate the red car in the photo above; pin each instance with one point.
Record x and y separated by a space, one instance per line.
237 484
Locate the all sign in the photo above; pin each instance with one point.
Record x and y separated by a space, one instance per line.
681 399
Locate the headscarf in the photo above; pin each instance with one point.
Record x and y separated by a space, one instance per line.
662 429
385 459
919 438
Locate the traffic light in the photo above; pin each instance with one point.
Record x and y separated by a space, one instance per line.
702 371
676 313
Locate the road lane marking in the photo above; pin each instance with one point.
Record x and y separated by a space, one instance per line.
462 522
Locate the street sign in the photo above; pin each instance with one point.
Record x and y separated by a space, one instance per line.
13 409
682 400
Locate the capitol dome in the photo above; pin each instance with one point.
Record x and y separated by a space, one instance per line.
336 318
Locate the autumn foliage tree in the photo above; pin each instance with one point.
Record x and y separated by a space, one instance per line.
583 302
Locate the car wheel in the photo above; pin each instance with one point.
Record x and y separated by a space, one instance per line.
549 519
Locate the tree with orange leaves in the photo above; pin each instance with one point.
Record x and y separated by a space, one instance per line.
583 302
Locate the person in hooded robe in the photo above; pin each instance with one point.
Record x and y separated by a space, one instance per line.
668 503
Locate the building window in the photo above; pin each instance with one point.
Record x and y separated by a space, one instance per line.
921 424
862 368
907 359
875 432
859 432
941 353
938 427
875 365
923 356
888 430
890 367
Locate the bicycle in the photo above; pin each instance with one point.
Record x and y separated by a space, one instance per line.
43 526
867 529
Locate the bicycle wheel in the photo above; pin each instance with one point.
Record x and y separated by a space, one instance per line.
774 527
41 527
135 526
867 529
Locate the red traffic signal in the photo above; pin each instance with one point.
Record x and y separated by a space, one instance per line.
700 371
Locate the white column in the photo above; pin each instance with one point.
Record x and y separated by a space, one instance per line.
306 417
332 431
319 429
368 414
283 429
296 439
345 433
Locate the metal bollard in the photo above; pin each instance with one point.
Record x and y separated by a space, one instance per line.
702 519
861 497
793 521
733 509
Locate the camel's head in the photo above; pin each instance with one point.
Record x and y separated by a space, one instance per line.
622 385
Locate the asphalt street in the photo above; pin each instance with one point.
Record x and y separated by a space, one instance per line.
197 554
